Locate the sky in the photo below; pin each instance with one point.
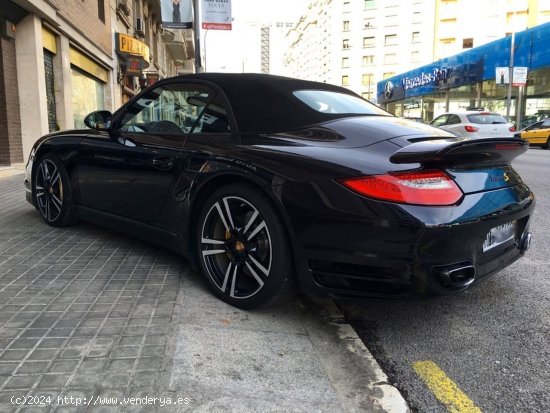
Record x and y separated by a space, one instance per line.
231 51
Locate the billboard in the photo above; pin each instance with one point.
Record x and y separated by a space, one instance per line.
176 14
216 14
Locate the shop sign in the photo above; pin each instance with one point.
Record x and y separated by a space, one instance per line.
425 78
519 76
127 44
216 14
133 66
152 78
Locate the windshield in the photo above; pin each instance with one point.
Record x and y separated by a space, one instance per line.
486 118
324 101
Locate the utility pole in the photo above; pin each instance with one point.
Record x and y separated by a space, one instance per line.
510 75
197 34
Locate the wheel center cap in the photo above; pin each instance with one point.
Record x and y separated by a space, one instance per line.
239 247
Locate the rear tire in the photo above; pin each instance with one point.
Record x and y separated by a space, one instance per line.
52 192
547 144
243 249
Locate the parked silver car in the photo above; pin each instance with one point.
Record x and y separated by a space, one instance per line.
475 124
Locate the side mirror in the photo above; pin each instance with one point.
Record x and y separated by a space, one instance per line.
99 120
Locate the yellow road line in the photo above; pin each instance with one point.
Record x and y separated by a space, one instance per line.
444 389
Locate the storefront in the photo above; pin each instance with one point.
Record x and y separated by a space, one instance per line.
133 59
475 78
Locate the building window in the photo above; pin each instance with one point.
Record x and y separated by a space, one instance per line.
369 4
345 44
388 74
390 58
415 38
366 79
415 56
390 40
347 6
366 95
368 60
467 43
368 41
369 23
345 25
345 80
345 61
101 10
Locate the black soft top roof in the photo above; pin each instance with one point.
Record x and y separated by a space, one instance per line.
265 103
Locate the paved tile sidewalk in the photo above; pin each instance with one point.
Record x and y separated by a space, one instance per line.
89 316
85 312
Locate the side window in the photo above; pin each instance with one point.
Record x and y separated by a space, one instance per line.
213 118
545 124
453 120
441 120
171 109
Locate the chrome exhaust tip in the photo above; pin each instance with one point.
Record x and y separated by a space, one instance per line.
525 242
456 278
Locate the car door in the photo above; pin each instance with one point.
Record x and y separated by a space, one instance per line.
454 124
130 171
538 133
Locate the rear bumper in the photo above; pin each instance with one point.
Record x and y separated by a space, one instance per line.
371 248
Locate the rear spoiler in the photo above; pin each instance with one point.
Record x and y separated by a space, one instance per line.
453 152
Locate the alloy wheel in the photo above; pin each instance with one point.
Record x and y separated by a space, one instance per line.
236 247
49 190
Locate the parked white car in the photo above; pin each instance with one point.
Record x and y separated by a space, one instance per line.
475 124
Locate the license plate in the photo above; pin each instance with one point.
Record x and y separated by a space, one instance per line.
499 235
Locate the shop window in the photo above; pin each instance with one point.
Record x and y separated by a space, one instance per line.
50 91
88 95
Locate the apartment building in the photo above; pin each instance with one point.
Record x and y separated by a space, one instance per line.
464 24
357 43
60 60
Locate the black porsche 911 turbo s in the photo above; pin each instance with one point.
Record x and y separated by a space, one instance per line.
269 184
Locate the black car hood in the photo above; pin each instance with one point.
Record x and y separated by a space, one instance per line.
356 132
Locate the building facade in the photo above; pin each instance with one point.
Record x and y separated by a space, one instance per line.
357 43
60 60
478 77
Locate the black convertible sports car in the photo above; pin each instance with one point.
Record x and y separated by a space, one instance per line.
269 184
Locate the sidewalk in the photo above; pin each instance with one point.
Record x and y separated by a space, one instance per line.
92 320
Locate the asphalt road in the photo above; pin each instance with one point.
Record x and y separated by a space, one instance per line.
493 341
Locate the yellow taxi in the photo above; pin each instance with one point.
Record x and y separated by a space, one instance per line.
537 134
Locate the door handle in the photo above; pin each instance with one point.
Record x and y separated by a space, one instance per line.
163 162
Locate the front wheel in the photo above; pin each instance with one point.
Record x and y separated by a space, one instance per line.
52 192
243 249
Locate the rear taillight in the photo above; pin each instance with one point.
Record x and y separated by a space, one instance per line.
470 128
420 188
512 128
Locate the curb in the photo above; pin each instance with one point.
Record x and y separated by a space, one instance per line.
358 379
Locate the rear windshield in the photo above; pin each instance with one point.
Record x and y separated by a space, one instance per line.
486 118
324 101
